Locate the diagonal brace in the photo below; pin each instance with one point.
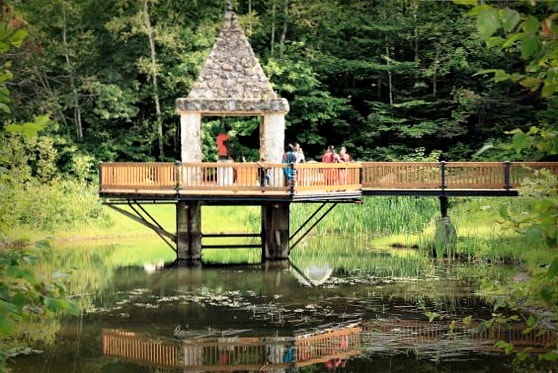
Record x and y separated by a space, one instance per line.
324 214
138 217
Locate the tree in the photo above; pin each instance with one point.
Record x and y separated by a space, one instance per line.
533 33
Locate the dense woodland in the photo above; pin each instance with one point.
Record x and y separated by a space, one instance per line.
391 80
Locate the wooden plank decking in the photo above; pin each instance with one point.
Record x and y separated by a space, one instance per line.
312 181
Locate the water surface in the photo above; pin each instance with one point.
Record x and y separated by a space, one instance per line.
310 315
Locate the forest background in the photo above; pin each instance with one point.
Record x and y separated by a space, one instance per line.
390 80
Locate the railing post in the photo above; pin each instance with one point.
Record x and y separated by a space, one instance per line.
292 178
507 175
360 175
177 175
443 176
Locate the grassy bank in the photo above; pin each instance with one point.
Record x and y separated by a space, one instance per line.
71 213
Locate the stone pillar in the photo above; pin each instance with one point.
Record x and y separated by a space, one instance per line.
275 231
188 231
190 136
190 146
272 137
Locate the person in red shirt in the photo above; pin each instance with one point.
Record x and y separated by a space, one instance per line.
223 146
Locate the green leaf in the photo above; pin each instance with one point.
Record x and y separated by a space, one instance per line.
520 141
507 347
546 294
466 2
553 269
510 19
510 41
531 82
488 22
549 89
432 316
6 326
22 273
17 37
59 304
549 356
529 46
530 25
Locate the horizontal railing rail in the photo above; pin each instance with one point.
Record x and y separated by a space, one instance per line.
231 177
450 175
246 178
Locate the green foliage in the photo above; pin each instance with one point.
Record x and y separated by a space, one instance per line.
10 37
24 296
536 40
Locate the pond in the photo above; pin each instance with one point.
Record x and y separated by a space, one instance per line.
313 314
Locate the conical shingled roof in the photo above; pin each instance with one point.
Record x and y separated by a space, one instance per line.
232 80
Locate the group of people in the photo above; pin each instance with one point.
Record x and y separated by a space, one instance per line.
294 154
331 156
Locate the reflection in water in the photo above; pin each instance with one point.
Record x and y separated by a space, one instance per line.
313 275
324 314
330 346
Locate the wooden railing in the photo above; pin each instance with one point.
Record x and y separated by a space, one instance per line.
449 175
245 178
186 178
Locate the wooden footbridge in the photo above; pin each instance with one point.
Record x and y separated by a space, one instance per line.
191 185
233 83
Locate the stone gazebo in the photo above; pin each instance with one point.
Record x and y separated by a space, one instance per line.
232 83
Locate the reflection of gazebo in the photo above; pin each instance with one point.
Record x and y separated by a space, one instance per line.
314 274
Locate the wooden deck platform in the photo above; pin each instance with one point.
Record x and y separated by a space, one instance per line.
250 183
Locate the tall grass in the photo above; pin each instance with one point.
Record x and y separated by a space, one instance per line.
376 216
53 207
70 211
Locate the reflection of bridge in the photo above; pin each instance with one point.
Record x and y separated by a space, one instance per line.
233 353
332 345
189 185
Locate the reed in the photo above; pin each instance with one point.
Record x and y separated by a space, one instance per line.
376 216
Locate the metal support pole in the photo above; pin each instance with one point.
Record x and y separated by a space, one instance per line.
444 206
100 176
443 176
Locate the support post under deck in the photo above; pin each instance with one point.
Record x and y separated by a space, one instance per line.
275 231
188 231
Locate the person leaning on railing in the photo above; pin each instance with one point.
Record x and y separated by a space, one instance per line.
344 157
263 176
289 158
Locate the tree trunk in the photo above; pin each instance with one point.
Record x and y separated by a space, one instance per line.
435 75
150 36
416 36
75 98
390 75
273 8
284 32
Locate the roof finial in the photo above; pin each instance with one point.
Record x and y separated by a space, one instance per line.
228 6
